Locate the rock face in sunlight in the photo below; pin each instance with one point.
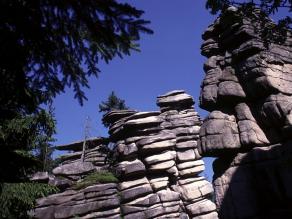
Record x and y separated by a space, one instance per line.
158 163
248 91
155 159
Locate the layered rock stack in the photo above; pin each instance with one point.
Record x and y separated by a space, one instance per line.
156 160
98 200
76 164
248 91
158 163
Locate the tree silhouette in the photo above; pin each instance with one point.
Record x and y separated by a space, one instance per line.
46 46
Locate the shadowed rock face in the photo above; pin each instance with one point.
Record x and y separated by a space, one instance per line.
248 91
158 163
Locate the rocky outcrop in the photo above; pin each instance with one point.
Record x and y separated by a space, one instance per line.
77 164
82 195
155 158
97 201
158 162
248 91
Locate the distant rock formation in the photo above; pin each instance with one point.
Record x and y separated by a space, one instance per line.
74 167
98 200
248 91
158 163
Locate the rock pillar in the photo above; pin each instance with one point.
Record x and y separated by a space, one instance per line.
158 163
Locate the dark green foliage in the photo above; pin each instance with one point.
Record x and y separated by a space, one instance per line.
23 141
49 44
17 198
95 178
46 46
112 103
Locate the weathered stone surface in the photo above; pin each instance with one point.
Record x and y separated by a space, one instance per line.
72 203
201 207
40 177
212 215
189 164
61 183
163 165
136 192
76 168
146 201
104 194
166 135
166 144
159 185
218 132
230 89
187 144
142 115
194 130
127 149
129 184
99 187
168 155
130 168
179 123
184 181
247 89
151 120
277 110
186 155
116 115
195 190
103 214
173 171
152 212
167 195
69 211
251 133
244 185
175 98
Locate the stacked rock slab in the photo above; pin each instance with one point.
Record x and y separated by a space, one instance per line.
96 201
248 91
74 166
100 200
158 163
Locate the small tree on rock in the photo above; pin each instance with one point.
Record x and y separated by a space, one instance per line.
112 103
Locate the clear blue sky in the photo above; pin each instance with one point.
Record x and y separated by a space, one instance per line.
169 59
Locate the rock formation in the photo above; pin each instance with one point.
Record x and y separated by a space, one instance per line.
76 164
156 160
158 163
96 201
248 91
99 200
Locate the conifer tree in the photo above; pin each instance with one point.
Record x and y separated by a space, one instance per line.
112 103
46 46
